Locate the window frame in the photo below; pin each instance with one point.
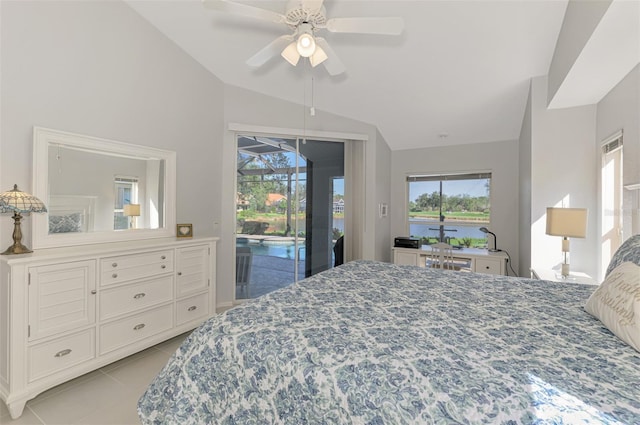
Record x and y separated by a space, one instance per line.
442 177
118 182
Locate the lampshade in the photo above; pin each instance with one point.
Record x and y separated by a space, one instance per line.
306 44
568 222
21 202
318 57
132 210
290 53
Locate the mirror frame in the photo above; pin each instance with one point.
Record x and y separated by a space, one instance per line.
44 137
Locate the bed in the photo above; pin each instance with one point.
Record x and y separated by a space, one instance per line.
71 214
377 343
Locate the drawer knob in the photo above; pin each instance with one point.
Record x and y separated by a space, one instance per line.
487 267
138 327
179 273
163 266
93 292
192 308
114 264
63 353
140 295
114 275
164 257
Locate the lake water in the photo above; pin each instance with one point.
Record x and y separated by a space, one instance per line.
417 228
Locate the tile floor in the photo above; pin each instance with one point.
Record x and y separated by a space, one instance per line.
106 396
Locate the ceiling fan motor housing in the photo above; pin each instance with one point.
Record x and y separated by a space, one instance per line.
297 14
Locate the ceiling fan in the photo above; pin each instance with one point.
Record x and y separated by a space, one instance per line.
305 18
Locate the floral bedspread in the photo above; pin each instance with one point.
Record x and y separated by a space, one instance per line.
376 343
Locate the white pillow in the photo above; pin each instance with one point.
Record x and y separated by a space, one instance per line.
616 303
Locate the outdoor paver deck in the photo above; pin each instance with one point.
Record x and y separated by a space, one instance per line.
269 273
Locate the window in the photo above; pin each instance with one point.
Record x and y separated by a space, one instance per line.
449 208
126 192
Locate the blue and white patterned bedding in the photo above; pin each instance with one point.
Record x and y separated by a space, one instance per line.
376 343
628 251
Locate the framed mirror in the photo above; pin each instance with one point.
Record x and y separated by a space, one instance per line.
99 190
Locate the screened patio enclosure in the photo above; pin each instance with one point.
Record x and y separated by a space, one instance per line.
289 210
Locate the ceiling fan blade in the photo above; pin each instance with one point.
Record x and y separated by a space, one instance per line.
384 26
269 51
332 64
244 10
312 5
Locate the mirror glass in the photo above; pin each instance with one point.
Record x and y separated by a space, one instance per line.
99 190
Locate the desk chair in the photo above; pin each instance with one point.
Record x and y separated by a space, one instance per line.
441 256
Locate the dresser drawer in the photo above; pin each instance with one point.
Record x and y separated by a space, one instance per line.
488 266
128 267
192 308
134 328
135 296
53 356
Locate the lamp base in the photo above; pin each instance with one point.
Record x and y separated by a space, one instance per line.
16 248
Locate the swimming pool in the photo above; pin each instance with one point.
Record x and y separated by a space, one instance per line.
280 249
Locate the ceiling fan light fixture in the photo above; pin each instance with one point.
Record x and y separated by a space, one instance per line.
290 53
318 57
306 43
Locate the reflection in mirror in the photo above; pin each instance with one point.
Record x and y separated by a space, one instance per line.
89 192
98 190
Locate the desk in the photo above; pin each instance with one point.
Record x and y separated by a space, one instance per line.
476 260
555 276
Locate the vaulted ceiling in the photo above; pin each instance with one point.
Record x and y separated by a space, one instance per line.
458 74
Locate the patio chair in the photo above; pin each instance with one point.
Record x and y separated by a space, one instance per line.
338 252
244 258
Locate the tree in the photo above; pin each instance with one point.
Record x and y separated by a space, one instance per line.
428 202
256 187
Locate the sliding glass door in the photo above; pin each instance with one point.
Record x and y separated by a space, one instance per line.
289 211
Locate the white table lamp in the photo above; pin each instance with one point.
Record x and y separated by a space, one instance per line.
18 202
568 223
132 211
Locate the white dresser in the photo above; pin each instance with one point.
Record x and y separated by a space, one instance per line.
67 311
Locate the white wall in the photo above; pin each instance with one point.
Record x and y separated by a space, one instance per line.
524 170
580 20
563 174
98 68
501 158
620 110
382 196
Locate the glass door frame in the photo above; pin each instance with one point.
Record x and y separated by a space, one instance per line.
246 131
